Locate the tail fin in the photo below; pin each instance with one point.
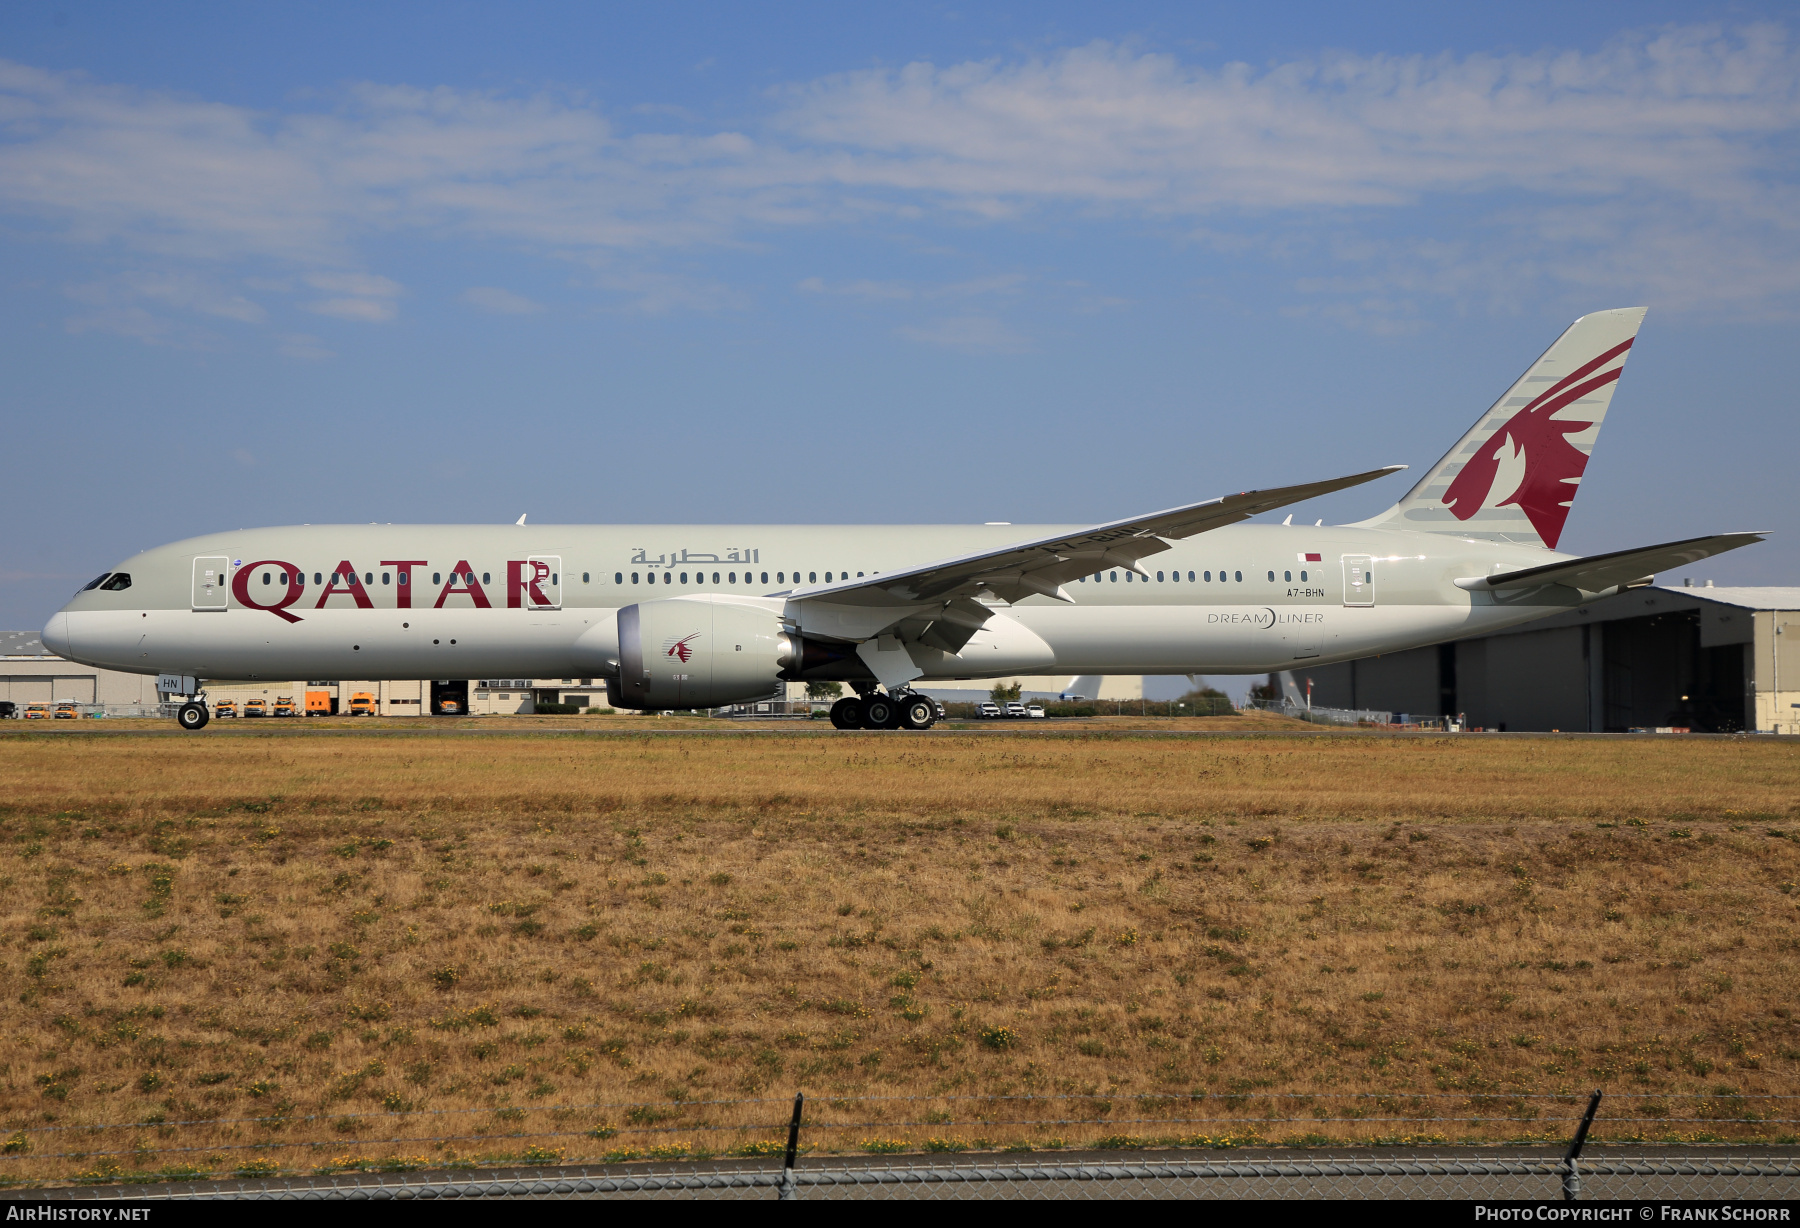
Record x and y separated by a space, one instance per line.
1515 474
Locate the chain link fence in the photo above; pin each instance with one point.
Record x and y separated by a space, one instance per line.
1761 1162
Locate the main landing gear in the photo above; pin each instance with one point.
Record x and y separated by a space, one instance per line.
902 710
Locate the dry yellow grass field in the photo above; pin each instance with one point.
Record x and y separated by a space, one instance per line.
318 948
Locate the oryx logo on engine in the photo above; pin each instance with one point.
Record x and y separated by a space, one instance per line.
681 649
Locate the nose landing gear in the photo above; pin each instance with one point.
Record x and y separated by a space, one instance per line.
192 715
902 710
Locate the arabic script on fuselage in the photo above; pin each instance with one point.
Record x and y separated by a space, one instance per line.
695 558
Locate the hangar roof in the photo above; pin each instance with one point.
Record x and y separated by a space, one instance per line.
1770 598
22 644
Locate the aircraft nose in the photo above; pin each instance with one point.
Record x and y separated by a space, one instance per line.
56 635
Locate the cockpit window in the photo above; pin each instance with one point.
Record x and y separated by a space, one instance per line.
95 582
120 581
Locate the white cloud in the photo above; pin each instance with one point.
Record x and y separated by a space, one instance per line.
864 288
304 345
970 334
500 302
362 310
1647 166
363 285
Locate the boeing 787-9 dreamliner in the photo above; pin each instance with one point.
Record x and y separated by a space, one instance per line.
692 616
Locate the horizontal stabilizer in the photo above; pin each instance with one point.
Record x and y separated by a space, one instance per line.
1621 568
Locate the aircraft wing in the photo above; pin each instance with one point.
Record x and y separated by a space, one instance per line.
1043 566
1620 569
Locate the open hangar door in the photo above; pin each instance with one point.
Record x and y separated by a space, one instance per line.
450 698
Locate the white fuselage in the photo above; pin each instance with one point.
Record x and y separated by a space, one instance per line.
1250 598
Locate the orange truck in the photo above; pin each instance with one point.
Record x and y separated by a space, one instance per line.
284 706
362 704
318 703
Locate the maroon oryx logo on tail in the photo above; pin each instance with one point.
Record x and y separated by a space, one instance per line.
681 649
1552 465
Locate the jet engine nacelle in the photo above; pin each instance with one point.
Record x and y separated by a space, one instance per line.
699 652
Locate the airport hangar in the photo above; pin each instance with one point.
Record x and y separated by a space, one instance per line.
1706 659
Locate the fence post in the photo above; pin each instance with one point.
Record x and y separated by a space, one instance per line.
787 1165
1571 1178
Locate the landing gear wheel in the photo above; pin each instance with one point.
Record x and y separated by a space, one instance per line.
880 712
192 716
846 713
917 712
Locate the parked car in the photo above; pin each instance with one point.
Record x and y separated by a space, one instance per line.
362 704
1035 711
1015 708
8 709
37 712
255 707
284 706
225 707
988 710
67 712
449 705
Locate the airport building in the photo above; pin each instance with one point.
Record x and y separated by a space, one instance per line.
1704 659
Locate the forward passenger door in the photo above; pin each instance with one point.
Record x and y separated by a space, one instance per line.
211 582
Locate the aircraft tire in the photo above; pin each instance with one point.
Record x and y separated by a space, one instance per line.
880 712
846 713
191 716
917 712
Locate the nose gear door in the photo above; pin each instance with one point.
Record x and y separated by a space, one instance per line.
211 582
1359 580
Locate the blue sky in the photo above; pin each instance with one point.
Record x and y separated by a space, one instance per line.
819 263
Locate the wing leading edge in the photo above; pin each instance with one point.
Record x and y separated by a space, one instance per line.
938 600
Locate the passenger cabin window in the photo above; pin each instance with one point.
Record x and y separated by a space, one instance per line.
1303 577
584 577
812 577
634 577
765 577
684 577
1238 576
1190 577
485 579
1159 577
1115 577
318 577
1287 576
118 583
403 576
437 577
368 577
1208 576
384 577
619 577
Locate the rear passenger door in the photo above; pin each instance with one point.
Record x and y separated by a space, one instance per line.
1359 580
